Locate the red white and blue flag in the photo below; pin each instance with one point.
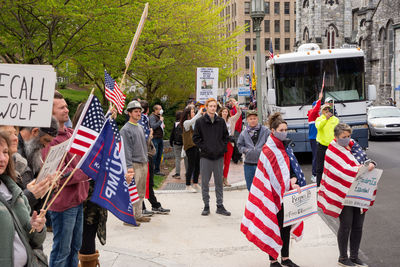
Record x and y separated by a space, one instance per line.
113 93
271 50
271 181
88 127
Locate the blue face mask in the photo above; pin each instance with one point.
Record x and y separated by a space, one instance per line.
343 141
280 135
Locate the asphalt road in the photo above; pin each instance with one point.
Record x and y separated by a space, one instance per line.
380 245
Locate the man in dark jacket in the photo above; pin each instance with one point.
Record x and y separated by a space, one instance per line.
156 121
211 136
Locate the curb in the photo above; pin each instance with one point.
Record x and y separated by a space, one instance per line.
236 186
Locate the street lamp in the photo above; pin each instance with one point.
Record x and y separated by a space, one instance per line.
257 14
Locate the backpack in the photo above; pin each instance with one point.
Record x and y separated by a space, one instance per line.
178 135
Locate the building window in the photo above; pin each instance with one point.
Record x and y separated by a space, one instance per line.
305 35
247 62
390 38
234 10
277 25
294 26
382 40
287 44
247 43
267 43
277 44
331 37
287 8
246 8
287 25
266 7
254 44
266 26
277 8
247 25
305 4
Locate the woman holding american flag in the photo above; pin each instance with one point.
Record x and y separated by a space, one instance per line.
277 172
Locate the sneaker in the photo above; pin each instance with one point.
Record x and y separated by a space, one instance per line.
289 263
221 210
345 262
160 210
147 213
275 264
190 189
132 225
313 178
206 211
176 176
358 262
159 174
196 187
143 219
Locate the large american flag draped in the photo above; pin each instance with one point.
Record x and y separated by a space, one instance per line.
271 180
88 127
113 93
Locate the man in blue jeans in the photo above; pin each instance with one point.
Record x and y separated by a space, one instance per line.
66 212
156 121
250 142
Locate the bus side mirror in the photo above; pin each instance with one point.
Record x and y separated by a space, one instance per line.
371 92
271 97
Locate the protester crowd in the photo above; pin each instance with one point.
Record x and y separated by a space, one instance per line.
208 137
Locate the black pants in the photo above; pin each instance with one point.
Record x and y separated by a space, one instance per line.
193 156
351 223
285 235
88 238
152 198
236 155
321 150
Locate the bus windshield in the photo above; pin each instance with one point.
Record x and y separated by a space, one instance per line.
299 83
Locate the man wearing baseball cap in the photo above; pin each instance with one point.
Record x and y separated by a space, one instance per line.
325 125
136 154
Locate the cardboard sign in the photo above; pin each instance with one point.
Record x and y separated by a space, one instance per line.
362 190
207 84
298 207
53 159
26 94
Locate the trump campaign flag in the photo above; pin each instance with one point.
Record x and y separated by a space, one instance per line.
111 190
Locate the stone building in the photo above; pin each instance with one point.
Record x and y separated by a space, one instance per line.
373 25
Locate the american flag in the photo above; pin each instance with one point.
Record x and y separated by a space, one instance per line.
113 93
133 193
271 180
88 127
271 51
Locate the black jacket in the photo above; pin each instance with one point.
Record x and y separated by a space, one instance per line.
211 137
176 136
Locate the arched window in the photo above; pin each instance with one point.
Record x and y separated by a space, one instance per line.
305 4
331 2
306 36
331 33
382 42
390 51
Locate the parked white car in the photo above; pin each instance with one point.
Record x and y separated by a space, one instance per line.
384 121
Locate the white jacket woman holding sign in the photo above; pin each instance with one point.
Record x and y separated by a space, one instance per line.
343 160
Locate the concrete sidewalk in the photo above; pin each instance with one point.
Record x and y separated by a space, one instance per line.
185 238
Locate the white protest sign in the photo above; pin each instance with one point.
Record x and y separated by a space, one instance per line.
362 190
26 94
298 207
207 84
53 159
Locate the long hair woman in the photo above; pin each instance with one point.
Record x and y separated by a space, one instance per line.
277 172
342 163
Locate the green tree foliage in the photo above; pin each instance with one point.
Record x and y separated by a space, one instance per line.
92 35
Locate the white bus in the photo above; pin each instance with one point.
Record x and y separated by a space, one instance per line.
294 81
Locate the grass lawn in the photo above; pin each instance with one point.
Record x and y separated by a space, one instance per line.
166 167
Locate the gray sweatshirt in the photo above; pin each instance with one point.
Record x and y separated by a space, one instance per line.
246 145
134 144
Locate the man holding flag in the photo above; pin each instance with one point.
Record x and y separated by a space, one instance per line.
136 154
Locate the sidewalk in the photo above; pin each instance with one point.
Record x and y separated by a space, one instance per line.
185 238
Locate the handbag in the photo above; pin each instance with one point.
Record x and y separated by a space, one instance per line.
38 259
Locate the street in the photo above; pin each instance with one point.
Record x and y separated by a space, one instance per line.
380 242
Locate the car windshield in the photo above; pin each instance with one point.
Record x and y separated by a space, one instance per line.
298 83
384 112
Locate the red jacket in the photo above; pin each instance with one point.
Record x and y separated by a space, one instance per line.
76 191
313 113
239 122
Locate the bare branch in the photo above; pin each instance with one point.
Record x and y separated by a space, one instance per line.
71 37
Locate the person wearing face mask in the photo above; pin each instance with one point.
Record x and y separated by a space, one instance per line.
342 163
277 172
156 121
325 125
250 142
